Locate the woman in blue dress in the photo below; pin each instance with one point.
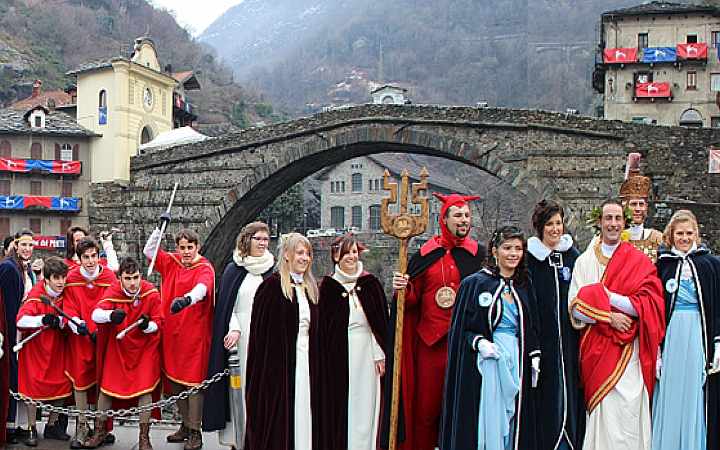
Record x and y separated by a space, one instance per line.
685 409
494 355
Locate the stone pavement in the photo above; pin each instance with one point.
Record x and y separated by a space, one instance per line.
126 439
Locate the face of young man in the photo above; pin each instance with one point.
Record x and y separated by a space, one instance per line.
56 282
188 251
612 223
639 207
130 282
89 260
458 220
24 248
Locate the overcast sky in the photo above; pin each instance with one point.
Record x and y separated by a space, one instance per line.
196 15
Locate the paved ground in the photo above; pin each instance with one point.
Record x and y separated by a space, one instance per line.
127 436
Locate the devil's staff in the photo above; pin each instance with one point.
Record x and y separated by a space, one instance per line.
22 343
402 226
162 230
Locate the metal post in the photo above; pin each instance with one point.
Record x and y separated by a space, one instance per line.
237 404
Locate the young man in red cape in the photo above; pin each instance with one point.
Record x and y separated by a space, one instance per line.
39 375
85 286
434 275
616 298
128 367
188 300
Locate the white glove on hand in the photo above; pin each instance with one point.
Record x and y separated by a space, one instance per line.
1 345
153 243
72 325
658 364
716 357
487 349
535 367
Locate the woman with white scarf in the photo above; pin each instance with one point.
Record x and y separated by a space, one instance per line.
353 323
251 264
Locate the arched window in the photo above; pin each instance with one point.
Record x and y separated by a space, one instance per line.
146 135
691 118
102 99
388 100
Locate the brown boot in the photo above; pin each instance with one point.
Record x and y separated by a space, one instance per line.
194 441
98 438
144 439
180 435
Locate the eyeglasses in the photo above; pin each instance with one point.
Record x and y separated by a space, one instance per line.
260 239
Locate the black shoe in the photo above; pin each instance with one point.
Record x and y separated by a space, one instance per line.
11 436
109 439
32 438
55 432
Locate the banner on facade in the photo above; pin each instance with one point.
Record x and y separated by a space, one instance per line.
620 55
697 50
63 204
658 55
714 160
48 242
653 90
41 165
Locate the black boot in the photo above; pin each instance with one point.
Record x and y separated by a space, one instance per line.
56 431
32 438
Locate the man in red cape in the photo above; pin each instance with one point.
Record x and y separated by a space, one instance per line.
188 300
434 275
617 300
128 368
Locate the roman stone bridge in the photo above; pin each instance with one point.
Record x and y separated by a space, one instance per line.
225 182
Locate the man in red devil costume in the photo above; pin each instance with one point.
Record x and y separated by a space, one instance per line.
434 275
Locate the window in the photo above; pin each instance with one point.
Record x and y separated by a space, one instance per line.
692 81
38 121
342 186
36 188
692 39
102 108
377 184
642 40
36 226
65 224
4 187
102 99
67 189
374 213
36 151
643 77
357 216
715 82
337 217
714 38
4 227
715 122
146 135
332 187
66 152
357 182
370 185
5 149
691 118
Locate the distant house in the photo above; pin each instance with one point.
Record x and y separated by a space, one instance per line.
351 191
389 95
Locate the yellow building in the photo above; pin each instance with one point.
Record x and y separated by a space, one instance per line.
128 101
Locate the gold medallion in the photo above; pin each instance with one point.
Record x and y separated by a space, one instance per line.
445 297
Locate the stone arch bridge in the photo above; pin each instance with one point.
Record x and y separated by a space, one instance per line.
225 182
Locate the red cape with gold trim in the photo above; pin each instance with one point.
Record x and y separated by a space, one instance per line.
605 351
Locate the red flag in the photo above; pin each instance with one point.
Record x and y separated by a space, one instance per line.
13 165
653 90
620 55
698 50
38 200
66 167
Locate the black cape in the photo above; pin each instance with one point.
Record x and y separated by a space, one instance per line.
333 337
467 264
463 382
12 291
559 394
216 403
706 271
270 388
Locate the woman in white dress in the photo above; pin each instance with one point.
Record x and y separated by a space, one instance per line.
251 264
282 391
353 324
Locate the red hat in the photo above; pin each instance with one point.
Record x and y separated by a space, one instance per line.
453 200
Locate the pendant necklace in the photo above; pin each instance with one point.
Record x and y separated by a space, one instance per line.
445 296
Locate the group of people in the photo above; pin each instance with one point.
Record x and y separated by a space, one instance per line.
523 344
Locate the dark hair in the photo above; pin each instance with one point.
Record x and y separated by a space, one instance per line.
343 245
502 234
242 244
86 244
7 241
544 211
14 253
54 266
128 265
612 201
70 241
187 234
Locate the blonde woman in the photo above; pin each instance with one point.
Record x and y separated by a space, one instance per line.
251 264
687 399
282 355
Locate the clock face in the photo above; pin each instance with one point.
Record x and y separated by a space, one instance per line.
148 98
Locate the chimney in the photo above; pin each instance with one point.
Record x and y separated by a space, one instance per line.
36 88
168 68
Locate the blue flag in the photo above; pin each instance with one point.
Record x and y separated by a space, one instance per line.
658 54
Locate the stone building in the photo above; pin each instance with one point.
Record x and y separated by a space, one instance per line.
389 95
44 171
658 63
351 191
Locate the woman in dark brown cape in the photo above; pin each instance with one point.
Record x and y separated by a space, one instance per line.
353 325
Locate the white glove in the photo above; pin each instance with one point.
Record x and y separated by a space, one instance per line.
658 365
153 243
72 325
716 357
487 349
535 370
1 345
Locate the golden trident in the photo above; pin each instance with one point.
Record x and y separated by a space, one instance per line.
402 226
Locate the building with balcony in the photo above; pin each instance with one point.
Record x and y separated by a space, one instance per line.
351 192
44 171
658 63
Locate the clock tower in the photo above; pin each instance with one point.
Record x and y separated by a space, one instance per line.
128 101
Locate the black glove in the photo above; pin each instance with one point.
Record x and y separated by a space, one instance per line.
144 322
51 321
164 219
117 316
93 336
82 329
179 303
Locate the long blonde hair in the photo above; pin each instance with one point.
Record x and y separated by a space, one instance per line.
680 216
288 244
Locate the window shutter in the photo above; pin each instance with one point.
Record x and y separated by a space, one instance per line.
76 152
57 152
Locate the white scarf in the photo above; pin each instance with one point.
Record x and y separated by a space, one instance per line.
685 270
540 251
344 278
49 291
256 265
90 276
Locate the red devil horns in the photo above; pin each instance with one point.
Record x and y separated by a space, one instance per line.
455 199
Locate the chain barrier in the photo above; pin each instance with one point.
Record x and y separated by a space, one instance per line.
134 411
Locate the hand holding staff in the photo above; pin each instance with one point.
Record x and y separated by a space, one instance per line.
165 219
81 327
